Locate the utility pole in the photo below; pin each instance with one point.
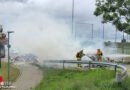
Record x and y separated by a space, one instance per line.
72 17
123 43
127 36
9 46
103 31
92 31
99 34
75 33
115 35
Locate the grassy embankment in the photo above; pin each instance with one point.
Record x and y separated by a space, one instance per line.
14 72
118 46
96 79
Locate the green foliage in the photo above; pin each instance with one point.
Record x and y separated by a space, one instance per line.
115 11
95 79
14 72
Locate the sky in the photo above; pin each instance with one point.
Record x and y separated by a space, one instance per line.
11 10
47 23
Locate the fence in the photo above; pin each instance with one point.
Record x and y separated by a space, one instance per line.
115 50
120 76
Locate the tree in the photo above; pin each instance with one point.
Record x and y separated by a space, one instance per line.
116 12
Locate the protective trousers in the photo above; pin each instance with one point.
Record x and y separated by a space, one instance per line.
79 65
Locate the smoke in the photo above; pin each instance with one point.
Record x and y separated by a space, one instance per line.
44 36
40 30
13 1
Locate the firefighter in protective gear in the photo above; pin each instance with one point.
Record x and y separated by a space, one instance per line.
3 42
99 55
2 35
79 56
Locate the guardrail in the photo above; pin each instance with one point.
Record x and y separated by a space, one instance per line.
120 76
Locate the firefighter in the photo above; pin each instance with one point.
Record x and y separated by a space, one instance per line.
99 55
3 41
2 35
1 28
1 32
79 56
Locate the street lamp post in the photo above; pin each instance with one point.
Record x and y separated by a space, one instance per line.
9 46
72 16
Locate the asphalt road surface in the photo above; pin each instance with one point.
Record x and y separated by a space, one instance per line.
30 76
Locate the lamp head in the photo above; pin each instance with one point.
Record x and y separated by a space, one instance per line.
10 31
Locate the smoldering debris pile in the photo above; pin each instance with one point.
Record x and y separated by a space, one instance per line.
119 57
27 58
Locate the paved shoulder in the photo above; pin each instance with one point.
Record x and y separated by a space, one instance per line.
29 78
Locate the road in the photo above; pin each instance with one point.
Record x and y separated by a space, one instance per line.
30 76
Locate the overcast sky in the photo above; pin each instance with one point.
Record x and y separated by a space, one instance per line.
11 10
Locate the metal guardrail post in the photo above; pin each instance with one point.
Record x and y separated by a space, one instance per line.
118 77
89 65
63 63
115 68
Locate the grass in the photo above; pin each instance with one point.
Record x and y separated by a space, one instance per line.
14 72
96 79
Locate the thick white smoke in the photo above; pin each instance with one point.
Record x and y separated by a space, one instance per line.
44 36
38 31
